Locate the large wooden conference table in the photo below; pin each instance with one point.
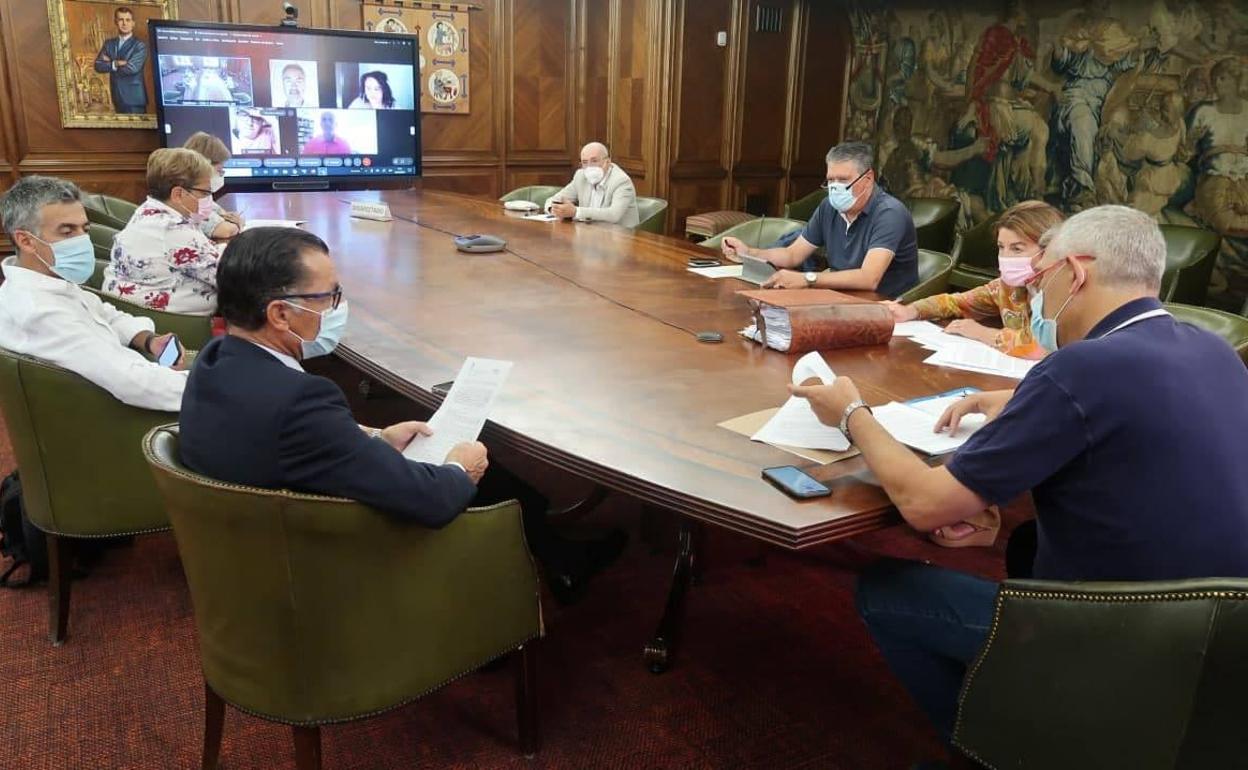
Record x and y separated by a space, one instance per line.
609 382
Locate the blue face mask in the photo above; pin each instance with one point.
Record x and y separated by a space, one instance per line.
841 196
333 324
1044 330
72 259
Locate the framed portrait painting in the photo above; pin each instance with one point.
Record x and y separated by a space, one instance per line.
100 52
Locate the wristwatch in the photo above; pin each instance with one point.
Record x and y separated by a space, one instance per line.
849 410
810 279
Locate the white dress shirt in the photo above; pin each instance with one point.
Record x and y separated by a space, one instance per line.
59 322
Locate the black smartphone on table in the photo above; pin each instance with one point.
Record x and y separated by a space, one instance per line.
795 482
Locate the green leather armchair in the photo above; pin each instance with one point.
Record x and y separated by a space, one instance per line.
194 331
533 194
1190 256
1230 327
1110 675
651 215
757 233
935 220
102 240
975 256
312 609
107 210
804 207
82 471
934 270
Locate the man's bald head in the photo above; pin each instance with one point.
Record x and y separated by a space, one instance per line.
594 153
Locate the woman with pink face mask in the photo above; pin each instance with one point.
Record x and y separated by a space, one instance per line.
1019 229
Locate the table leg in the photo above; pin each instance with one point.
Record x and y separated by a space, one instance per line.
661 648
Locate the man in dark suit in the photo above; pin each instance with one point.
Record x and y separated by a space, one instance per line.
123 58
251 414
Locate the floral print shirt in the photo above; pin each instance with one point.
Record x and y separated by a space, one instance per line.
993 298
163 261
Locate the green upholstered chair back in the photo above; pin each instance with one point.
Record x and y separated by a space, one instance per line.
935 221
107 210
1190 256
1127 675
315 609
804 207
79 451
533 193
102 240
975 255
934 270
651 215
194 331
97 276
1230 327
756 233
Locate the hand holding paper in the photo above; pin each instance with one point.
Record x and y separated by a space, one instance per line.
796 423
463 412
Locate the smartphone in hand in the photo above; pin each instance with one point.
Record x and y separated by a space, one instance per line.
171 354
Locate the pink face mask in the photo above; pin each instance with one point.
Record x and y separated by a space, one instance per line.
1015 271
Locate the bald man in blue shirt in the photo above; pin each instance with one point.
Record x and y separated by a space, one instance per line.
1130 437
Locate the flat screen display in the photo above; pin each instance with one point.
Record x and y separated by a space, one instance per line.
298 108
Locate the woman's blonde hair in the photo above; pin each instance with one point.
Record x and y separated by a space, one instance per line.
1030 219
171 167
209 146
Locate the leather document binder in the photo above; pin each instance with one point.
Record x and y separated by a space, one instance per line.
802 320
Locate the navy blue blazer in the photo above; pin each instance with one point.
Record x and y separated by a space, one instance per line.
126 82
248 418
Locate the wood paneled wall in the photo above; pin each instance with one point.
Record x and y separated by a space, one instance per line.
702 125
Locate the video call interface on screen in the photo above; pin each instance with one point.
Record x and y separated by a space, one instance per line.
292 104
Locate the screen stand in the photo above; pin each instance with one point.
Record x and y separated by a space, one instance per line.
301 186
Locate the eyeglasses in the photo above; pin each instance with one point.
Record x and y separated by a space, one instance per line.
831 182
198 190
334 296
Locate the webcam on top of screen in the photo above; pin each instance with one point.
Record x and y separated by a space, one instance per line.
292 15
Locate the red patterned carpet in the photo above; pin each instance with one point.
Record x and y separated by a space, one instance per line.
775 671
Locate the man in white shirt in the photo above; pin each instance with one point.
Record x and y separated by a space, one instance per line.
599 192
45 314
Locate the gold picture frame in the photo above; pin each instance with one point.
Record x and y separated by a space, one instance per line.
84 42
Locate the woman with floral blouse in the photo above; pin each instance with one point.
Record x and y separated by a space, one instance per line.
1018 244
162 259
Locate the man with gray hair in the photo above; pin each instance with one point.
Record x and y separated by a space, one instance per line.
599 192
868 235
45 313
1130 437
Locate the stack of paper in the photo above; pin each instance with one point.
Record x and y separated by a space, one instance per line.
719 271
779 331
962 353
914 424
250 223
795 424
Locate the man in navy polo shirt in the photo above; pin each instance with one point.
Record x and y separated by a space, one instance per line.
867 233
1130 437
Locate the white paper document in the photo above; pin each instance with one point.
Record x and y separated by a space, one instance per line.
916 328
540 217
980 358
250 223
464 410
719 271
796 424
912 424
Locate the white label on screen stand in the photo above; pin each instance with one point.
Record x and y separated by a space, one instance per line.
368 210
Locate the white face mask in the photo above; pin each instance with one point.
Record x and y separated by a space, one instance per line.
594 174
217 182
